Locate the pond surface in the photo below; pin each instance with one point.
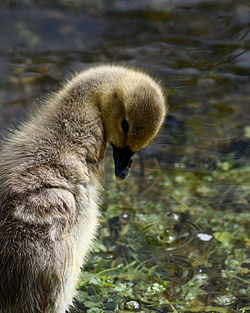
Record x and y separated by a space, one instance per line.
175 234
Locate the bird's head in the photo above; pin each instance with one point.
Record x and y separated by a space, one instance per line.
133 113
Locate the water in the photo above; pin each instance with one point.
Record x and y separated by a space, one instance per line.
174 235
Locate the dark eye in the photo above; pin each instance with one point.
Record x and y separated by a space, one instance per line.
125 125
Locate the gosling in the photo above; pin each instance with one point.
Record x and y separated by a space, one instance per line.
50 179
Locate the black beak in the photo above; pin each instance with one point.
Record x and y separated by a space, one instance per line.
123 159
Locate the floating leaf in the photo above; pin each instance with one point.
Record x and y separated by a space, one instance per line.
224 237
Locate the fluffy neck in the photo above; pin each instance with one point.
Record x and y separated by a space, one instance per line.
89 99
66 137
68 123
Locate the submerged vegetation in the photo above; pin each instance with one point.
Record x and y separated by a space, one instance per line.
173 241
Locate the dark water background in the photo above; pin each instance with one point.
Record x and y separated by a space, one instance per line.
181 220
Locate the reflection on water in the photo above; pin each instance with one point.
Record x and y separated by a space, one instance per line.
174 236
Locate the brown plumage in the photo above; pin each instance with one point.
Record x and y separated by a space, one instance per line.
50 179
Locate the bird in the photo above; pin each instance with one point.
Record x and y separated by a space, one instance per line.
51 174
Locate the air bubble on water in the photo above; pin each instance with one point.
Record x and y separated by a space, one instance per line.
132 305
